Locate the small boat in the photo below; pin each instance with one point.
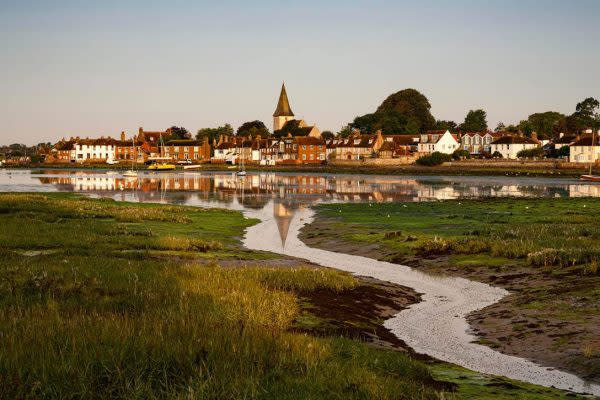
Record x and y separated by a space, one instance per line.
162 167
132 173
242 171
592 178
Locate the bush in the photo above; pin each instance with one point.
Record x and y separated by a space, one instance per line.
497 154
433 159
461 154
532 153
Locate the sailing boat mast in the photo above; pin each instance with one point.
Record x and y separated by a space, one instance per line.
593 151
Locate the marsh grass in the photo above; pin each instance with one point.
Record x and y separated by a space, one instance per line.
94 321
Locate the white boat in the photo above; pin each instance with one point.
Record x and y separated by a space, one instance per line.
132 173
242 171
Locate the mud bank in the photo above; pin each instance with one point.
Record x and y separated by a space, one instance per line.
437 326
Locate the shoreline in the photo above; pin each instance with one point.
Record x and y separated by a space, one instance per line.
357 170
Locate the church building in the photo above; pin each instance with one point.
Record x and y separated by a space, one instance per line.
285 122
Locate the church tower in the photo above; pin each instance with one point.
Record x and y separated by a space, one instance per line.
283 113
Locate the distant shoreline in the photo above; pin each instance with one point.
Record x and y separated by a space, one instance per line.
358 170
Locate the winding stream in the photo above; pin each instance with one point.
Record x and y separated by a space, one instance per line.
436 326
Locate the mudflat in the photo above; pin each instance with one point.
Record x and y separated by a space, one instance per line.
544 251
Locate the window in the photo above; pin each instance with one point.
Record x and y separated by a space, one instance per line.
303 147
312 156
186 156
304 156
312 147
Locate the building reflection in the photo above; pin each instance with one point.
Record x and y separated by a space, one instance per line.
290 191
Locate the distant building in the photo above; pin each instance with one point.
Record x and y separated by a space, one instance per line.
438 141
582 151
283 112
509 146
95 150
479 142
196 151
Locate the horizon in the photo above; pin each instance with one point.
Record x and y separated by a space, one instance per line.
76 70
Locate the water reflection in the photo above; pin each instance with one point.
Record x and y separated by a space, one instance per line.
285 192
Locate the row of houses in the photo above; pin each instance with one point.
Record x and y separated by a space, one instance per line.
309 149
143 147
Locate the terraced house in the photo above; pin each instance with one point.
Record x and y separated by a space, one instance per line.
479 142
196 151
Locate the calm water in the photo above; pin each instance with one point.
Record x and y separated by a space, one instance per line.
285 193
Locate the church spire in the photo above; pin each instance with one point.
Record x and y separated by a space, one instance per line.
283 105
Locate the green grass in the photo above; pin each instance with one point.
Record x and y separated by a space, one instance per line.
83 316
539 232
552 243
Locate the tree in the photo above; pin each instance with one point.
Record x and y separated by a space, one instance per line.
525 127
214 133
475 121
545 123
446 125
345 131
500 127
179 133
586 113
253 128
327 135
406 111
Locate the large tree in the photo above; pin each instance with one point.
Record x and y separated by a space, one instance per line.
545 123
475 121
214 133
446 125
179 132
327 135
403 112
253 128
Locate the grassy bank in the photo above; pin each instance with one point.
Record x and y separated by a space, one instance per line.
101 299
545 251
96 303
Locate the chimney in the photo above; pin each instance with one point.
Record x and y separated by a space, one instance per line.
140 130
534 136
560 135
123 136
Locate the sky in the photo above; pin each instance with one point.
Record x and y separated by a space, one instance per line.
90 68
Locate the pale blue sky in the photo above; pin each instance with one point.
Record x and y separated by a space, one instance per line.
95 68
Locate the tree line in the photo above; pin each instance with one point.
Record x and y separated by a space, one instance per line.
409 112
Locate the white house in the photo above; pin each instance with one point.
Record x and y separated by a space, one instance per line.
509 146
440 141
479 142
95 150
582 151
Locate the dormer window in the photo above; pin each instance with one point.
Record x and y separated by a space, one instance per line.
356 141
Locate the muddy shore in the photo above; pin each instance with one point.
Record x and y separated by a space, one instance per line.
505 326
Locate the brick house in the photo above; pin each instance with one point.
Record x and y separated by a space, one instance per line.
197 151
311 150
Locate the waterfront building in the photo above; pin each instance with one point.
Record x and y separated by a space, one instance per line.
196 151
438 141
509 146
582 151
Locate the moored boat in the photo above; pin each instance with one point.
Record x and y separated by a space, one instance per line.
592 178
